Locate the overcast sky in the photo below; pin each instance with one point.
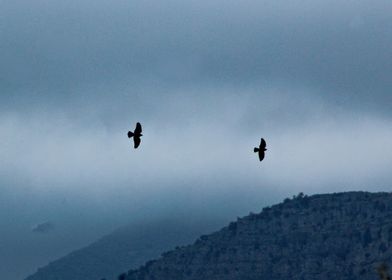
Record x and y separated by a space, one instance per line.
206 79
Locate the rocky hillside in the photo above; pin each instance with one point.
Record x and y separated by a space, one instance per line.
332 236
128 247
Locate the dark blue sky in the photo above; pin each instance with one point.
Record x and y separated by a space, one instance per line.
207 79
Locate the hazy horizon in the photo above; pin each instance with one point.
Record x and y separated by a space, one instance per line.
207 80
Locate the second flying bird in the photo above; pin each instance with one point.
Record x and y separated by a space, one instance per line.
261 149
136 135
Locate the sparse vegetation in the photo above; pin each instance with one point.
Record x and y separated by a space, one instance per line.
344 234
383 272
122 276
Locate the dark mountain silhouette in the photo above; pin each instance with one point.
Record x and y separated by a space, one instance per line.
136 135
332 236
261 149
128 247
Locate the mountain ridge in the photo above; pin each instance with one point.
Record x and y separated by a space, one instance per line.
126 247
341 235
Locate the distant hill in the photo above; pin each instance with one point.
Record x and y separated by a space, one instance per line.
332 236
128 247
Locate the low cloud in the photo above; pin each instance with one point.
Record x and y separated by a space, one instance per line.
310 146
44 227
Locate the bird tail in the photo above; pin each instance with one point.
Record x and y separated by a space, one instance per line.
256 150
130 134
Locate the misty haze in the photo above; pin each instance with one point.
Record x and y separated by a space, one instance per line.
206 80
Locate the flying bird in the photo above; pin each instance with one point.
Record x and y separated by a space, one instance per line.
261 149
136 135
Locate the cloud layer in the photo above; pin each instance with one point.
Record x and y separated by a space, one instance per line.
206 79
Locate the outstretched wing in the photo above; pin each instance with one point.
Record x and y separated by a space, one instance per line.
261 155
263 144
136 141
138 128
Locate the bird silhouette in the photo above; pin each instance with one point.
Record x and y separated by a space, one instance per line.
136 135
261 149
